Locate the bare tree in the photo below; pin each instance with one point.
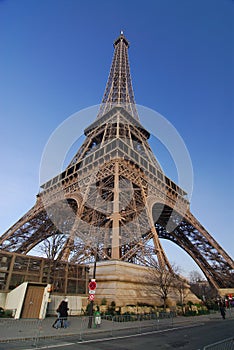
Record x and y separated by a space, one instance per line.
181 285
201 287
50 248
52 245
195 276
161 281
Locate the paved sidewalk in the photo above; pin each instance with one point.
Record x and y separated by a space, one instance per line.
23 329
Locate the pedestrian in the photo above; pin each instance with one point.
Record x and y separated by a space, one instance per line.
62 311
57 321
222 309
97 317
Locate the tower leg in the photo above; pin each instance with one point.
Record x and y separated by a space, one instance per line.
116 216
162 258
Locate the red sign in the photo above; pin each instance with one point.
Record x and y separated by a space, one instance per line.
92 285
91 297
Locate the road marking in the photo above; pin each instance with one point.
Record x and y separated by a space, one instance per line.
99 340
137 335
52 346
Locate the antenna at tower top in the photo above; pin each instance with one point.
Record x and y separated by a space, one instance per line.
119 91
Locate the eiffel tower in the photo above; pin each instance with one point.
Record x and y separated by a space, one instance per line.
113 201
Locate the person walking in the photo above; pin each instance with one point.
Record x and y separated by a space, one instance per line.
97 317
222 310
62 311
57 321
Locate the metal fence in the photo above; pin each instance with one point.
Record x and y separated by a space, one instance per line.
35 330
71 312
20 329
227 344
129 324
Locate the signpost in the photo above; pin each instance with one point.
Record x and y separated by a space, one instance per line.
92 290
91 284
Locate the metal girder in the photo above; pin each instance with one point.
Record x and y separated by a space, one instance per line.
201 248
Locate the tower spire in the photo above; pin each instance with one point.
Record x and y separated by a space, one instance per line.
119 91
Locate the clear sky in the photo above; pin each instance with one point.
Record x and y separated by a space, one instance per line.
55 59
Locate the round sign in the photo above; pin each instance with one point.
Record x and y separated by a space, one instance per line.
92 285
91 297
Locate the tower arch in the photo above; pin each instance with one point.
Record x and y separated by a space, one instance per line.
196 242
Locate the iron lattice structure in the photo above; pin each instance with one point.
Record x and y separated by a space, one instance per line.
113 201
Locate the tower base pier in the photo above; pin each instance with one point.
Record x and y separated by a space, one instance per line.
126 284
226 291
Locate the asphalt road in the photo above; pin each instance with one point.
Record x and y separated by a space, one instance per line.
186 338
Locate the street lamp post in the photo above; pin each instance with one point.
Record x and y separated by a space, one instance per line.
92 302
94 276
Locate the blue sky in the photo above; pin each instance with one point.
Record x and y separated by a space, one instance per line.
55 60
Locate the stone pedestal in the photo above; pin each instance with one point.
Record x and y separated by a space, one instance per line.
226 291
125 284
121 282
